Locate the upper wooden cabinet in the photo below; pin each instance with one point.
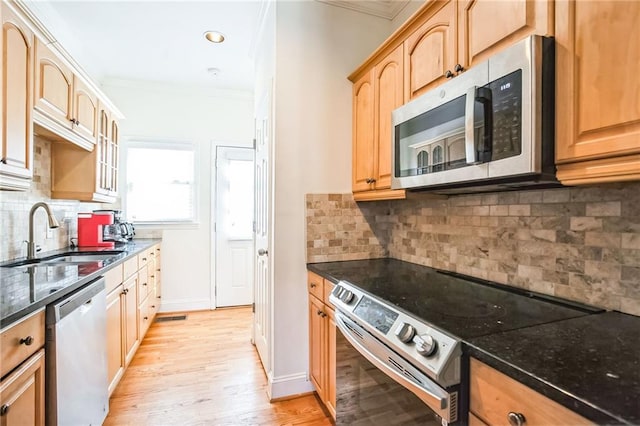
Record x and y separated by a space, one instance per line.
68 107
489 26
88 176
598 91
431 51
375 96
16 162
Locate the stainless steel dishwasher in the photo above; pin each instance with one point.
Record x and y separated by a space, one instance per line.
76 357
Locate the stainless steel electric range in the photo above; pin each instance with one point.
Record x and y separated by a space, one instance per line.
399 357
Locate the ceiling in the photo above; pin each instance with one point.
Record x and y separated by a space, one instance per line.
162 41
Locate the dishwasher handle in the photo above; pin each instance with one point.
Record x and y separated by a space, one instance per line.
70 303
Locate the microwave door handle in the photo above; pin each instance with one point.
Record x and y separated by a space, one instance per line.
483 95
469 130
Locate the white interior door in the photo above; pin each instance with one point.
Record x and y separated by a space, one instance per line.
234 226
262 293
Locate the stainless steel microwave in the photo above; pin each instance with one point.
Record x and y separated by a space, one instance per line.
490 128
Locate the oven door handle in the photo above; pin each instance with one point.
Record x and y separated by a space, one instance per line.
430 393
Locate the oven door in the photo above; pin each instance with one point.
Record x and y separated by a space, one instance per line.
376 386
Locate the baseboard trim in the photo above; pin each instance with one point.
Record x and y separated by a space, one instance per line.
185 305
289 386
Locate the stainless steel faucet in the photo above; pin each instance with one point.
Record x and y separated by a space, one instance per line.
53 223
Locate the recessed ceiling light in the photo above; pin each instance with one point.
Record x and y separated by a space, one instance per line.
214 36
213 71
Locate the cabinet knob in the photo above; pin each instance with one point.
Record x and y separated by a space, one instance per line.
4 409
370 180
458 68
153 306
124 292
3 160
449 74
312 285
28 341
146 318
516 419
144 284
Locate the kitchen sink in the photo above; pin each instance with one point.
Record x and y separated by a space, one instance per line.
65 259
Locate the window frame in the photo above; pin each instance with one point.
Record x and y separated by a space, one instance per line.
168 144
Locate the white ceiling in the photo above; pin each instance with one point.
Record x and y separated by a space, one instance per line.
162 41
157 40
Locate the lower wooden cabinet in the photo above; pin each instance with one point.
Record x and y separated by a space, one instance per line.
130 316
322 341
494 397
22 393
115 323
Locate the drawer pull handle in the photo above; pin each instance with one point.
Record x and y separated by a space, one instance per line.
28 341
4 409
516 419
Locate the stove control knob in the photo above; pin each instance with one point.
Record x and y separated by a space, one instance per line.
425 345
405 332
346 296
337 291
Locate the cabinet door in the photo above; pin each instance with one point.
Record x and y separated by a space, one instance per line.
488 26
389 94
363 133
22 394
331 363
114 157
85 111
597 84
115 337
16 91
53 86
103 169
131 333
430 52
317 354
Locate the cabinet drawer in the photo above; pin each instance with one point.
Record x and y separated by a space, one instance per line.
315 285
21 340
130 267
145 257
494 395
143 284
113 277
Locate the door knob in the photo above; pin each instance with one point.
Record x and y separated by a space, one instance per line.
262 252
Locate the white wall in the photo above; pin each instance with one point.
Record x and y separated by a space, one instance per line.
170 112
317 47
406 12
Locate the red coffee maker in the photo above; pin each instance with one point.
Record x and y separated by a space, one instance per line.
90 233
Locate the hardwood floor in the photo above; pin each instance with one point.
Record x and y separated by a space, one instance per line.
203 371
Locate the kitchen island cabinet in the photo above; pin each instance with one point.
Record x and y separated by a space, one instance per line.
597 87
322 341
16 101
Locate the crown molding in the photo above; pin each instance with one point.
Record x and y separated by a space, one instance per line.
387 9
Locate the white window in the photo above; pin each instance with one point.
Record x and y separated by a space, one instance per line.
161 182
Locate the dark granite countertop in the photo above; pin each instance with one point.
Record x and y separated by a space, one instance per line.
585 359
589 364
25 290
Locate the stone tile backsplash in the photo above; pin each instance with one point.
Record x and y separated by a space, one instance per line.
581 243
15 206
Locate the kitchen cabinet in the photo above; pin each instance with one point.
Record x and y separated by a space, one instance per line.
23 368
488 26
16 92
88 176
498 399
22 393
130 315
65 105
322 341
597 87
115 326
375 95
431 51
440 41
